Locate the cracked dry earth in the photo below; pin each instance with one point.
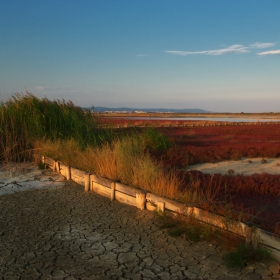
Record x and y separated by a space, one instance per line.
62 232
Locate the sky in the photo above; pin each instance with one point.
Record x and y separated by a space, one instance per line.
220 56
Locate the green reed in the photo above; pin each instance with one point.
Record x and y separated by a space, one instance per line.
25 118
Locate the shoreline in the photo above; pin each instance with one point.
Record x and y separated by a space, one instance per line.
245 166
193 115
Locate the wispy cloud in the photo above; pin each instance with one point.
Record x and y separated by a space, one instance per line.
144 54
237 49
42 88
262 45
234 49
270 52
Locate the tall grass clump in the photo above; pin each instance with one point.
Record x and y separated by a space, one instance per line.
25 118
125 159
65 132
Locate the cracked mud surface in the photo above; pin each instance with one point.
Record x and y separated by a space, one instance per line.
66 233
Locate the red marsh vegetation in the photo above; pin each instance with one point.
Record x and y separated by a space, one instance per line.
250 198
217 143
255 195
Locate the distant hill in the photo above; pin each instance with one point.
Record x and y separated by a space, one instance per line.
151 110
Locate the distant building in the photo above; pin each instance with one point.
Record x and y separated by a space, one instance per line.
118 112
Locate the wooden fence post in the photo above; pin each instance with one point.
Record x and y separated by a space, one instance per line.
160 206
141 201
248 233
87 182
57 166
54 165
113 186
68 174
255 238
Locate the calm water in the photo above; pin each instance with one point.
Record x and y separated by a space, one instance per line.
205 119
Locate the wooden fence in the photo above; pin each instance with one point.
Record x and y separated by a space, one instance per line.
145 200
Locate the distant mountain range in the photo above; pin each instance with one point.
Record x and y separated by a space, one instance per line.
151 110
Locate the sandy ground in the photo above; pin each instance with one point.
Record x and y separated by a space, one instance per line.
246 166
16 177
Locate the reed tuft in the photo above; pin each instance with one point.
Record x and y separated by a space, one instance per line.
25 118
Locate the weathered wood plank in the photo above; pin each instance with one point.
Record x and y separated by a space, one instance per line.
101 181
217 220
150 206
79 180
62 169
100 189
275 254
77 172
124 198
127 189
169 204
268 238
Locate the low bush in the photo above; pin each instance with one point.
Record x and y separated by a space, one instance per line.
245 253
155 140
237 254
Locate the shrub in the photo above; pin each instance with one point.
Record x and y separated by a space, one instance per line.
155 140
230 172
245 253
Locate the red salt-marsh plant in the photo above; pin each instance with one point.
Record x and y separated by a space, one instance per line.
163 168
212 144
252 198
249 198
255 195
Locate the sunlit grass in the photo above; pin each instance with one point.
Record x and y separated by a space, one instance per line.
125 160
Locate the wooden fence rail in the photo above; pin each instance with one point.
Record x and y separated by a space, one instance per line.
145 200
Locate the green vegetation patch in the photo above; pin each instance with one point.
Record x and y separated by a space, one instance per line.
245 253
25 118
238 254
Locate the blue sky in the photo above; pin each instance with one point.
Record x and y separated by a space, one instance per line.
216 55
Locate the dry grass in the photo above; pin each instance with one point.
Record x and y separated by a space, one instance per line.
125 160
67 151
